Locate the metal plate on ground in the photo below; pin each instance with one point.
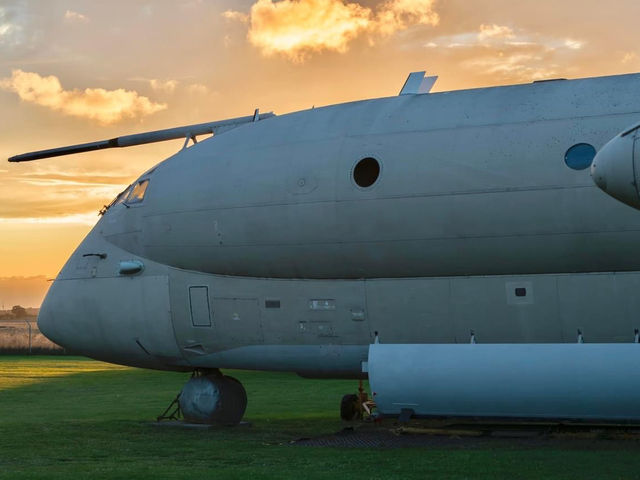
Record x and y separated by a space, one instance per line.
196 426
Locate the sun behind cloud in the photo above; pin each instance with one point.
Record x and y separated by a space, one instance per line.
298 28
104 106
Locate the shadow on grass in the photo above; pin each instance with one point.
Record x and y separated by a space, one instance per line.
114 393
100 425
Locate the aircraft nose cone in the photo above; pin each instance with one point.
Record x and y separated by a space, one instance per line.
47 320
614 172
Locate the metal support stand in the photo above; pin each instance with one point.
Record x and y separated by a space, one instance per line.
172 412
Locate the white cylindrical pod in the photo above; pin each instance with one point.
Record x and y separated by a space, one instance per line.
614 169
546 381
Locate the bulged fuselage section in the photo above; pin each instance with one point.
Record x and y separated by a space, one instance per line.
468 183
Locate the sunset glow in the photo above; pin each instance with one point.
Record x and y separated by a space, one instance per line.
296 28
74 72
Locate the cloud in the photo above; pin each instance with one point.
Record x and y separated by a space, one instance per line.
396 15
298 28
89 218
72 16
523 66
66 206
197 89
10 31
73 178
573 44
50 195
55 201
507 54
104 106
629 57
236 16
166 86
494 32
172 86
504 36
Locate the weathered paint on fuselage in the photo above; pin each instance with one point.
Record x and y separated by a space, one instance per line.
472 183
473 201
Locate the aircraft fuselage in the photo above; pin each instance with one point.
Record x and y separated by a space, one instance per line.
260 249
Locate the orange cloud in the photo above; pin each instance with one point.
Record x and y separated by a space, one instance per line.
494 31
166 86
58 196
573 44
397 15
297 28
237 16
197 89
526 66
61 202
504 54
89 178
104 106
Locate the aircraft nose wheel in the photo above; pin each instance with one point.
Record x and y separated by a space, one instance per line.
350 409
357 406
213 398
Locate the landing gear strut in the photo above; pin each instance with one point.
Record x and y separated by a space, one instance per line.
355 406
211 397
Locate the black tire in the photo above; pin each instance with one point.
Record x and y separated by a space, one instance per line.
201 399
213 399
350 408
234 402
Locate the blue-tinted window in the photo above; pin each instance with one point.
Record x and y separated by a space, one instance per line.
580 156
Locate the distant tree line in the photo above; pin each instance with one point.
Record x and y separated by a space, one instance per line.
17 311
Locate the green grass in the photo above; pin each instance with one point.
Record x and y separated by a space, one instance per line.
68 417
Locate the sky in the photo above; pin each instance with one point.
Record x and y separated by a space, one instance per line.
74 71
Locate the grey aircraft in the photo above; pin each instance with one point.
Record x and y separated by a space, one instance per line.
294 242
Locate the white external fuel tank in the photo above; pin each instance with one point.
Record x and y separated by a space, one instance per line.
535 381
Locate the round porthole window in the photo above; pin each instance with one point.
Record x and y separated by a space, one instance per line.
366 172
580 156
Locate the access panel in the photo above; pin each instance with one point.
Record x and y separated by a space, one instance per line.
238 320
199 303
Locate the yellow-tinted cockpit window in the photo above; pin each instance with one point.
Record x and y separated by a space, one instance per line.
138 191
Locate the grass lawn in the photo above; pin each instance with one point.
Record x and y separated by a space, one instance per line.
69 417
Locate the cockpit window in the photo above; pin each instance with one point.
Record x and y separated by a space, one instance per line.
119 199
121 196
137 192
